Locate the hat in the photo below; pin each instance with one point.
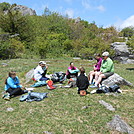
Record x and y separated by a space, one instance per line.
42 62
105 54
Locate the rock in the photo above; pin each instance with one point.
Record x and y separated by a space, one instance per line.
10 109
46 132
122 53
107 105
85 107
119 125
24 10
116 79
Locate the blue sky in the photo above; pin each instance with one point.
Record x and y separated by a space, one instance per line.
119 13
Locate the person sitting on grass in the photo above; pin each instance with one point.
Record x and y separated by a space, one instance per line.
106 70
96 68
40 72
72 71
12 86
82 81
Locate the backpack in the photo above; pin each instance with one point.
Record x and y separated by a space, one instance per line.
58 77
114 88
103 89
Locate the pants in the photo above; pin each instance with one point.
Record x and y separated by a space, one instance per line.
44 79
72 75
16 91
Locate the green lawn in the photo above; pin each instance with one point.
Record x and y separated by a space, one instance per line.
61 112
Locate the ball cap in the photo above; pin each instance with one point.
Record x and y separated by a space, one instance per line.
105 54
42 62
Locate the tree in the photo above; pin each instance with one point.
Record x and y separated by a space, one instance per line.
128 31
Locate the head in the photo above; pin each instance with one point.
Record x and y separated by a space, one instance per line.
97 56
82 70
71 64
12 74
42 63
105 55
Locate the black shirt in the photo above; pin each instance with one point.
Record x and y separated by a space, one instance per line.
82 82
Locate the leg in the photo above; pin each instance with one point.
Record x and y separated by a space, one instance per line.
16 91
92 74
99 79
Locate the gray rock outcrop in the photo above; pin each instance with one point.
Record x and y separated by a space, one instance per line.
116 79
122 53
120 125
24 10
107 105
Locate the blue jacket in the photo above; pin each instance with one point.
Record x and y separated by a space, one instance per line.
12 83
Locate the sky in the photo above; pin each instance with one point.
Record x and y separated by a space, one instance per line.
105 13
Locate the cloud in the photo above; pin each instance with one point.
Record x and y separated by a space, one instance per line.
125 23
128 22
70 13
101 8
87 5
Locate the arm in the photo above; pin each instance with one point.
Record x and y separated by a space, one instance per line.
11 83
107 66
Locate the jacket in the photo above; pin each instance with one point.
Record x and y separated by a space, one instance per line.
82 82
12 83
107 66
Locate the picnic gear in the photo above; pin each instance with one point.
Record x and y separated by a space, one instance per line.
50 85
58 77
33 96
29 75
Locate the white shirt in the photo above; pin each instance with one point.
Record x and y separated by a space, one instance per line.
37 72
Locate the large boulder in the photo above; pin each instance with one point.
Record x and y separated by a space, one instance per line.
24 10
122 53
116 79
120 125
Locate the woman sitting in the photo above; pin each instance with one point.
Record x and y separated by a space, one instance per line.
72 71
12 86
96 68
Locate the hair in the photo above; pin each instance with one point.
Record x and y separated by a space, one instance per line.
97 55
9 75
71 62
82 70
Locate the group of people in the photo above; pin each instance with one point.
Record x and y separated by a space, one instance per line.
102 69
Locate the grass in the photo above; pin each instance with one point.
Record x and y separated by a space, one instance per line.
61 112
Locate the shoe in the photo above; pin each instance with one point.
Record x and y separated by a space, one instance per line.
119 91
93 91
93 86
7 97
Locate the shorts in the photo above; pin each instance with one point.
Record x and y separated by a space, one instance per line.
108 74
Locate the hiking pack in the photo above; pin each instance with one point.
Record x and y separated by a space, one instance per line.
106 89
58 77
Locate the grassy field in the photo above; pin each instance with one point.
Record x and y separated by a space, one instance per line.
61 112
